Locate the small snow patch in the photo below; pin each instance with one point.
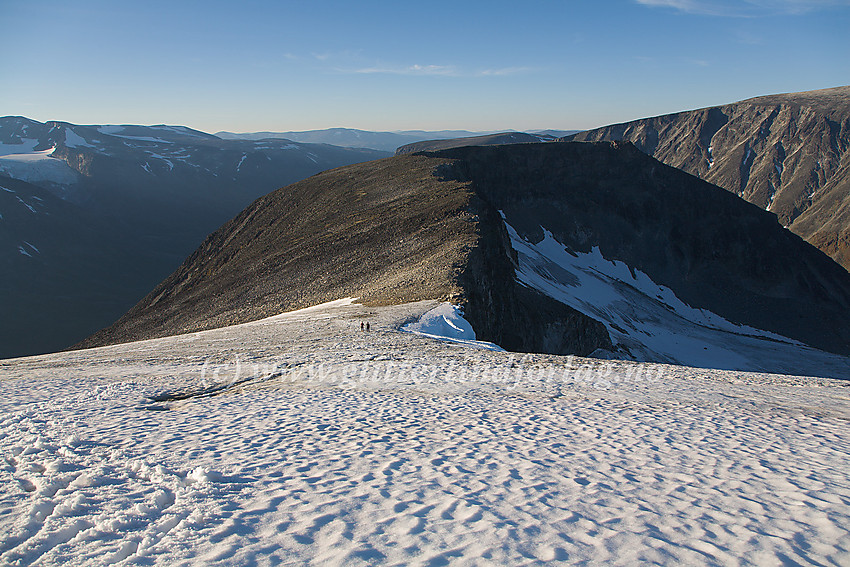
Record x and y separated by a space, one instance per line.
110 129
27 146
203 475
445 322
27 205
74 140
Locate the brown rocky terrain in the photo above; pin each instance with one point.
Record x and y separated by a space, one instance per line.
429 226
785 153
388 232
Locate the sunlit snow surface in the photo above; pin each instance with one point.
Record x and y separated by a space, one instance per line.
300 439
651 322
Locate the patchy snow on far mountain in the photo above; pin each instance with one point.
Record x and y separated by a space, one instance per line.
160 190
26 163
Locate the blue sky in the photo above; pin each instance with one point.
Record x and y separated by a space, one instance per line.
297 65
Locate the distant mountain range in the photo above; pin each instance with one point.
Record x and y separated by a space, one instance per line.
555 248
499 139
94 216
587 248
385 141
788 154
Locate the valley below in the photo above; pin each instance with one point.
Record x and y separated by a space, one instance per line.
300 439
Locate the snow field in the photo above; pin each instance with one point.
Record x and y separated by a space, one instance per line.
327 445
649 322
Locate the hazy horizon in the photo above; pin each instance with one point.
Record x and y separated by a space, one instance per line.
388 67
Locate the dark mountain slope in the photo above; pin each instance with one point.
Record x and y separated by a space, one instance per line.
429 226
155 192
714 250
784 153
59 272
390 231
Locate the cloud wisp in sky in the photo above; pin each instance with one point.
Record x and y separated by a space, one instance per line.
394 66
747 8
424 70
436 70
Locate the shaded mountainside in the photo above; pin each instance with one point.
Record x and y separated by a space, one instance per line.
789 154
59 273
143 196
390 231
487 140
431 226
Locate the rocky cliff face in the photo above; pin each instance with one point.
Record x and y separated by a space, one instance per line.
714 250
788 154
436 226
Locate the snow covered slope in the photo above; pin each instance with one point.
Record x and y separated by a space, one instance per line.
648 322
300 440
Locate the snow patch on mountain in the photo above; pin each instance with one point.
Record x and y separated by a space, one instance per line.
446 323
167 161
26 146
27 205
74 140
646 321
116 131
149 139
182 130
37 167
110 129
31 156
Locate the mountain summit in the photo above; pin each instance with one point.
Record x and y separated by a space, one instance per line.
554 248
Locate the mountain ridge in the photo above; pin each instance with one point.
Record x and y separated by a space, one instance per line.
440 225
786 153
